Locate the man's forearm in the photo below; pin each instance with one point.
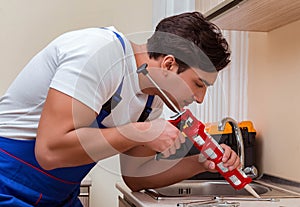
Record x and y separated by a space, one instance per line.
162 173
81 146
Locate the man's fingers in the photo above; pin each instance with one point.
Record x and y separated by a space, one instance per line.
166 153
227 152
177 143
201 158
182 138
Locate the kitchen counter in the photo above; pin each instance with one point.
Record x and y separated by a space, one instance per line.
140 199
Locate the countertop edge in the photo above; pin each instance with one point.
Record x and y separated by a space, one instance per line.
140 199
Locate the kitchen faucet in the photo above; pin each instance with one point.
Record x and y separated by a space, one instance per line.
250 171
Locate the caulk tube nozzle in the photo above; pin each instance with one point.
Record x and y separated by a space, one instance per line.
251 191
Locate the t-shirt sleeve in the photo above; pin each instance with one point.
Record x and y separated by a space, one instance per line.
90 68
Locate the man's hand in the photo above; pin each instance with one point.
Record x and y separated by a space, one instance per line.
158 135
168 140
230 160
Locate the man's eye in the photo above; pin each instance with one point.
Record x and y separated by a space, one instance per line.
199 85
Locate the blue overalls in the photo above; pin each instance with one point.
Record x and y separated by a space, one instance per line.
23 183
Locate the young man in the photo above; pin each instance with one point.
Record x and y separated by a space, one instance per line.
80 100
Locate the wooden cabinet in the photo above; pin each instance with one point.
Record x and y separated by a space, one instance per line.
84 195
259 15
124 203
85 191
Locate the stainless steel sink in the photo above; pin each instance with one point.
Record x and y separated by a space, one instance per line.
203 188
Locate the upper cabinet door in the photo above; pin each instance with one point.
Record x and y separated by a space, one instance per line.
250 15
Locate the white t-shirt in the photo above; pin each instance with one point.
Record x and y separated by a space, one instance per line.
88 65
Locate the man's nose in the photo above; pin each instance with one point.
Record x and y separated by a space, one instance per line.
199 97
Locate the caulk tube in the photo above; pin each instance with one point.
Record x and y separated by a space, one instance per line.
211 150
194 130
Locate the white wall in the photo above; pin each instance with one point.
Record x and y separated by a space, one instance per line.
28 26
274 100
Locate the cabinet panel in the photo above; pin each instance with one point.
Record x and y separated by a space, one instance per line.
259 15
84 195
123 203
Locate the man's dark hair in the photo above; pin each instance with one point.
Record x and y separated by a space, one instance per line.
193 40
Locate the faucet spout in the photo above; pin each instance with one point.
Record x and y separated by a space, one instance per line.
238 135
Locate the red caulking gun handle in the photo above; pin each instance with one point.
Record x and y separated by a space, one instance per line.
195 131
176 122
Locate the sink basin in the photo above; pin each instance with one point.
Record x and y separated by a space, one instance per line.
208 188
203 188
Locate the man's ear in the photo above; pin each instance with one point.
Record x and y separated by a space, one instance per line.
169 63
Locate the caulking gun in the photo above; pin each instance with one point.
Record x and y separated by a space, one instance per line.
194 130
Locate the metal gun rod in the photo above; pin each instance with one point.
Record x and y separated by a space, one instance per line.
143 69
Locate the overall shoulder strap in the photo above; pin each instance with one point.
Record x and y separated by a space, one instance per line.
118 36
147 110
116 98
108 106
